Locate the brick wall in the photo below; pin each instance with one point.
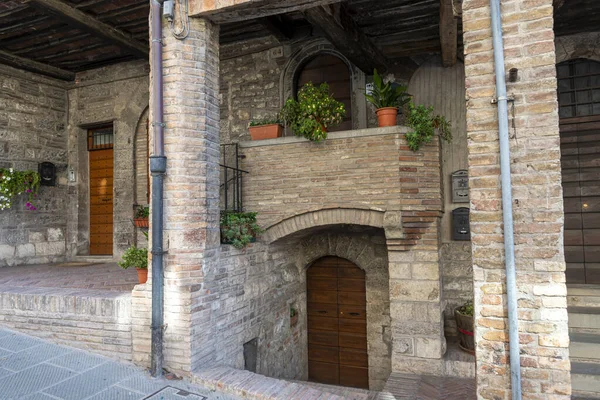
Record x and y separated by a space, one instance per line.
538 204
33 112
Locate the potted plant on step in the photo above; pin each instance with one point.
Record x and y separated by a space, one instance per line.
465 326
387 98
261 129
239 228
137 258
140 218
313 113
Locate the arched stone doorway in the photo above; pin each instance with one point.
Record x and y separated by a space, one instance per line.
337 323
579 110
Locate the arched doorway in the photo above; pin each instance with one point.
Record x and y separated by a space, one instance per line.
579 110
327 68
337 323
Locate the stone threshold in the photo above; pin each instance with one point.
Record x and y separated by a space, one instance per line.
390 130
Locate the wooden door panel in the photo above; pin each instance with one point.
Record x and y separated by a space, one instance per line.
101 201
354 376
337 324
327 373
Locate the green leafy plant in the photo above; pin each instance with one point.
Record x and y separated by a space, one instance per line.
466 309
265 121
313 112
424 123
142 212
293 312
134 257
239 228
386 95
13 183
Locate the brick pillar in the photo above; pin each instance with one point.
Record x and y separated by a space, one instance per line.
191 197
537 201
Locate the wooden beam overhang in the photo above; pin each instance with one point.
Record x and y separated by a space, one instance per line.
342 31
279 27
34 66
88 23
448 33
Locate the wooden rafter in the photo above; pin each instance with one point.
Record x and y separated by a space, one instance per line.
340 29
88 23
278 26
448 33
34 66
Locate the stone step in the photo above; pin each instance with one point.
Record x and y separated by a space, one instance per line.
458 363
583 296
345 392
584 318
584 346
585 378
94 259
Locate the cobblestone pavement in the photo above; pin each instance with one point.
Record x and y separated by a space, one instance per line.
34 369
73 275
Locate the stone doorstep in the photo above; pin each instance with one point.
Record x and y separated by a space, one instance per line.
585 378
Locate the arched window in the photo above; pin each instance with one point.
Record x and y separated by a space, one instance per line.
326 68
578 88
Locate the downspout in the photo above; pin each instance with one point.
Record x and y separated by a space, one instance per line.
158 167
507 210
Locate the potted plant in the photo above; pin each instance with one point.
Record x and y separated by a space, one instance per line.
140 218
465 326
239 228
14 183
261 129
387 98
424 124
293 316
138 258
313 113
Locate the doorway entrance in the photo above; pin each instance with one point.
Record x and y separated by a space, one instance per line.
101 158
337 323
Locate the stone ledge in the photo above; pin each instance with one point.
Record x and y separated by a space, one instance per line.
391 130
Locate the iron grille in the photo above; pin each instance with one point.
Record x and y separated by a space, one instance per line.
578 88
100 138
232 178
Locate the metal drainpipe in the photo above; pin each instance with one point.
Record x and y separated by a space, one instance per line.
507 210
158 167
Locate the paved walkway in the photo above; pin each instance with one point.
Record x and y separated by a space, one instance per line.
70 275
34 369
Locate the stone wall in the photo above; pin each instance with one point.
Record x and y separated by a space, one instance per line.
119 95
537 201
33 113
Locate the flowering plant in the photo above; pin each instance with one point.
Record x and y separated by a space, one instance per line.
14 183
313 112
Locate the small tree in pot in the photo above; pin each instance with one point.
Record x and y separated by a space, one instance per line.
137 258
466 327
387 98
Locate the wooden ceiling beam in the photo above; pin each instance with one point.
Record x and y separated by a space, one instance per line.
342 31
90 24
448 33
278 26
34 66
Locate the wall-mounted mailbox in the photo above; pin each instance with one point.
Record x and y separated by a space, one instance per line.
461 229
47 172
460 186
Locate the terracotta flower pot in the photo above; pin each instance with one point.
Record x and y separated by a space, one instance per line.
387 116
141 222
142 275
465 326
263 132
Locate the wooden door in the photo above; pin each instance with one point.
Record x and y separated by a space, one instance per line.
580 159
337 323
101 191
333 71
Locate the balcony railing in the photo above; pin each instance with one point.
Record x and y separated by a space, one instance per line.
232 178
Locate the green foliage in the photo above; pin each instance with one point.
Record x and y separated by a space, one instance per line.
14 183
293 312
385 95
265 121
424 124
134 257
239 228
466 309
142 212
313 112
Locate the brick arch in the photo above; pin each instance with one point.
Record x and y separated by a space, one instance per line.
578 46
319 218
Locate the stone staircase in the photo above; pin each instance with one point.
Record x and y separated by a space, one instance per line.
584 332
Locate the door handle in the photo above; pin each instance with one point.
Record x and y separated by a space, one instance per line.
354 314
322 312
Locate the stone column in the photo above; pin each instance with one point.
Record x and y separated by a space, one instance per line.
537 201
191 197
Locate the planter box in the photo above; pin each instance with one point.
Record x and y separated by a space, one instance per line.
141 222
465 326
263 132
